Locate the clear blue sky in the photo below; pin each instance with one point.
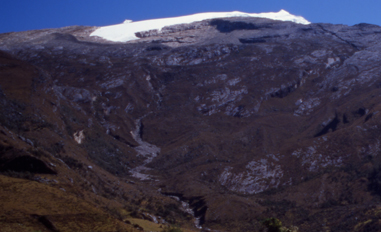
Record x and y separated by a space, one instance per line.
20 15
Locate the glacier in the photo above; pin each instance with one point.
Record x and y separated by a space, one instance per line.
125 31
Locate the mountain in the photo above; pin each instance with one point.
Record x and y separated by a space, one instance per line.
223 124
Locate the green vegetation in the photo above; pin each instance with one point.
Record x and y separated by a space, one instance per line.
145 225
275 225
171 229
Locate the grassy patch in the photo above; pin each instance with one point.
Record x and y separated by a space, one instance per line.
146 225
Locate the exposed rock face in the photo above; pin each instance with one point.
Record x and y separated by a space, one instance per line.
79 136
242 118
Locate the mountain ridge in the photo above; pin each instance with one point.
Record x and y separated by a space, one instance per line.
241 118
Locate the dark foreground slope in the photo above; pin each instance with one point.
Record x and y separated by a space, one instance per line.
244 119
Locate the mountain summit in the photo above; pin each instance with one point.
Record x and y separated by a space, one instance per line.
214 124
126 31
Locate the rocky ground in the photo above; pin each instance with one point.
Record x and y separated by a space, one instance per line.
237 119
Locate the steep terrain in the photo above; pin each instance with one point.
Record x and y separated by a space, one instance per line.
217 124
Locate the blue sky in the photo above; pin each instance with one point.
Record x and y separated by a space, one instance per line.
20 15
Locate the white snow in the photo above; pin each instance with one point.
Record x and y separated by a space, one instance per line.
126 31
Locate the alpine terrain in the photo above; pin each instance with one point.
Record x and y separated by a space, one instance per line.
209 122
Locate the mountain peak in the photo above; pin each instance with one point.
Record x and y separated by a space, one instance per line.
125 31
224 124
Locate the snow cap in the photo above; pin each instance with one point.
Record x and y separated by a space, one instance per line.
126 31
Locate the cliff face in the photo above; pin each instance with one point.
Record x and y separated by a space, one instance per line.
242 118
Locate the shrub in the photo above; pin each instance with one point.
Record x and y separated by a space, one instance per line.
273 224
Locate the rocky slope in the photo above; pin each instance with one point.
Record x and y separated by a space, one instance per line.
238 119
